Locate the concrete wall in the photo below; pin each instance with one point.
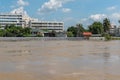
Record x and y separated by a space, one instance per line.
47 38
97 38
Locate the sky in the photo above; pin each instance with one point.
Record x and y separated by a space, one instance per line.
71 12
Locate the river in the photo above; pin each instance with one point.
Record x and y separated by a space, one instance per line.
59 60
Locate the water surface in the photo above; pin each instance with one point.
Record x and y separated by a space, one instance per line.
60 60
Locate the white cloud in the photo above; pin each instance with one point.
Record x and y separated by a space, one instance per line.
52 5
98 17
94 17
84 19
22 3
111 8
66 10
115 15
20 10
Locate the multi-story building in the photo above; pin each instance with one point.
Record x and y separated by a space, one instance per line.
22 20
10 18
47 25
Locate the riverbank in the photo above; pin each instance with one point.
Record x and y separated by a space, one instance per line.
48 38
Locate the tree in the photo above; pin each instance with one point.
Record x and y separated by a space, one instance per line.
106 25
118 21
73 30
14 31
70 34
2 33
96 28
80 30
53 33
25 31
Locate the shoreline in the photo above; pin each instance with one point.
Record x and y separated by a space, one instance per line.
39 38
50 38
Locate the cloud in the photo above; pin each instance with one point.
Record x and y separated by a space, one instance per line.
66 10
94 17
111 8
20 10
115 15
52 5
22 3
98 17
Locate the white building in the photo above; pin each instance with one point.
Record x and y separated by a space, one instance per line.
23 20
113 30
47 25
10 18
118 32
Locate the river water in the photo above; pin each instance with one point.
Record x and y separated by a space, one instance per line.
60 60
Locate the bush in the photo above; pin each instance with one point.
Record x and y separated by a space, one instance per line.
107 37
39 35
70 34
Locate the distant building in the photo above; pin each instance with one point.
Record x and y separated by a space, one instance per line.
87 35
8 19
23 20
117 32
47 25
113 30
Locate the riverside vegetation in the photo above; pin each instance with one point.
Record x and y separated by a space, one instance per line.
96 27
14 31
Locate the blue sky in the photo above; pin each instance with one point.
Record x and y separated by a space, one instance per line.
69 11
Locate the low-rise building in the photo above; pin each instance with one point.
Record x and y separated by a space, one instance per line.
113 30
117 32
47 25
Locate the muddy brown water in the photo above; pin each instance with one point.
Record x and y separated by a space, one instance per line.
60 60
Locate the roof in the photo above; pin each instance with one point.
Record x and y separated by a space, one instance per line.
87 33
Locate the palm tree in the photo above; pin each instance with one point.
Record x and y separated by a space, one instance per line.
106 25
80 30
118 21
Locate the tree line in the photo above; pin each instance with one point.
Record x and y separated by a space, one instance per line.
73 31
14 31
95 28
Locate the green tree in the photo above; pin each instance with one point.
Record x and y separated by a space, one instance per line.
73 30
96 28
2 33
14 31
119 21
26 32
106 25
53 33
80 29
70 34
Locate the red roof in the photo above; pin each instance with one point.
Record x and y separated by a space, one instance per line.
87 33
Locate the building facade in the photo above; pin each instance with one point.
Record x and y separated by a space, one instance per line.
9 19
22 20
47 25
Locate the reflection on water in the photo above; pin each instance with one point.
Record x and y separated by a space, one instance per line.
60 60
